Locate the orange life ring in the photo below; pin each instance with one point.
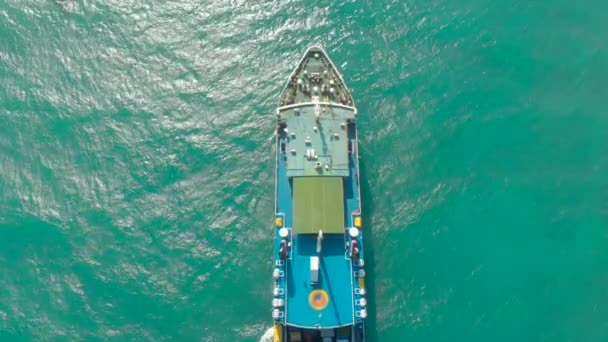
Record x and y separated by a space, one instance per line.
318 299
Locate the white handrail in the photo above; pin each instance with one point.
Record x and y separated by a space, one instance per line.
305 104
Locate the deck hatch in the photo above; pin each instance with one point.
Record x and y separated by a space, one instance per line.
318 204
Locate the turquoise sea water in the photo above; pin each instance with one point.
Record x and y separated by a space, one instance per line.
136 166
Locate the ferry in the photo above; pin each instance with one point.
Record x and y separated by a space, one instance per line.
319 292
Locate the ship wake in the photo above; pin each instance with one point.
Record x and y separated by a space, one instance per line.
268 335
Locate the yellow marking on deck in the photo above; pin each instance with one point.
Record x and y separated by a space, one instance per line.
358 221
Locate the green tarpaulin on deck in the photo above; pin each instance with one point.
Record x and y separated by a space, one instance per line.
318 204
